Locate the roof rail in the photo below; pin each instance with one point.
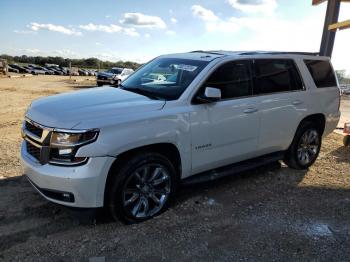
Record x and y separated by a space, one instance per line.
278 53
207 52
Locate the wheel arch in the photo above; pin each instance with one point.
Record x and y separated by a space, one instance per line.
319 119
169 150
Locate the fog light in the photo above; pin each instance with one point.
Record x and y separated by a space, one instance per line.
65 151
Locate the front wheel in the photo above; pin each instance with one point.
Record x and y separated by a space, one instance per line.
305 147
346 140
142 188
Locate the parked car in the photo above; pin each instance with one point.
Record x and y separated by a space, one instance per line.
113 76
11 69
82 72
55 69
129 148
36 70
21 69
345 89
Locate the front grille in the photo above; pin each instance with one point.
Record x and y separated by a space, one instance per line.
34 129
33 150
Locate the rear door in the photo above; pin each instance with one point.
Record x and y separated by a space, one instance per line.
281 102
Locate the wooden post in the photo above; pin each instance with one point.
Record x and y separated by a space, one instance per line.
328 37
70 70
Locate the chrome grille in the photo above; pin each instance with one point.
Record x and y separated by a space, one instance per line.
37 139
38 131
33 150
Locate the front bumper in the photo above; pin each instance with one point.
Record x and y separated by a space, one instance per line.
83 186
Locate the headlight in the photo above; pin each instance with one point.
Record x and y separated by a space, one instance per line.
65 144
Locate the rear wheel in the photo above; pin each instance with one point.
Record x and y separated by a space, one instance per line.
142 188
305 147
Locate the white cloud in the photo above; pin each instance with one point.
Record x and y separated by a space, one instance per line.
173 20
147 35
130 32
30 50
24 32
204 14
142 20
66 53
107 16
54 28
254 6
170 32
112 28
212 22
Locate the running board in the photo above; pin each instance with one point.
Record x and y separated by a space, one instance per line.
233 169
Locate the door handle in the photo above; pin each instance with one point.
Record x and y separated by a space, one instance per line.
250 110
297 102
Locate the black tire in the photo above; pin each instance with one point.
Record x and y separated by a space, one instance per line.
294 158
346 140
123 180
99 84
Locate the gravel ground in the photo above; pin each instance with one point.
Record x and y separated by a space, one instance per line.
270 214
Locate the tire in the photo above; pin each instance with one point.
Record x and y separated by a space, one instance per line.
99 84
142 188
305 147
346 140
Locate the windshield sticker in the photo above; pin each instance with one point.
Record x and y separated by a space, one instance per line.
189 68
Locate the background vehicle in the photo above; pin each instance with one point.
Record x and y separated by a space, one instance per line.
36 70
221 113
113 76
21 69
11 69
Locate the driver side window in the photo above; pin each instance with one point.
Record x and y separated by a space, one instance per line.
233 79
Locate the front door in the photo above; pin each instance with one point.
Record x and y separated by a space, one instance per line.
225 131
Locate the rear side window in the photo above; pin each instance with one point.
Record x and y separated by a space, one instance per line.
233 79
322 73
276 75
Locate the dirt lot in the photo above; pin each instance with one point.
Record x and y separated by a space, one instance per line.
270 214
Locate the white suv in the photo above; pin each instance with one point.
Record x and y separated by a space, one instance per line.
211 114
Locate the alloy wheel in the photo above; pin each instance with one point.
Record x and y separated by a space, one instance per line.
146 191
308 146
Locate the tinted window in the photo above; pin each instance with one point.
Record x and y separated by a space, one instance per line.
276 75
321 72
116 71
233 79
173 76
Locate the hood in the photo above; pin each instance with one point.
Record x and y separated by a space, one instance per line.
70 109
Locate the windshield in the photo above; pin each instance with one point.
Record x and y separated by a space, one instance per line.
165 78
116 71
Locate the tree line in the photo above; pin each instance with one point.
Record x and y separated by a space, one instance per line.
82 63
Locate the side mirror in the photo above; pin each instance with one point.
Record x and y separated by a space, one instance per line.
211 94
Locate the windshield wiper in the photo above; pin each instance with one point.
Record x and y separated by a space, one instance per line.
143 92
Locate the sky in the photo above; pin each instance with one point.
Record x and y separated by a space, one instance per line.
139 30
